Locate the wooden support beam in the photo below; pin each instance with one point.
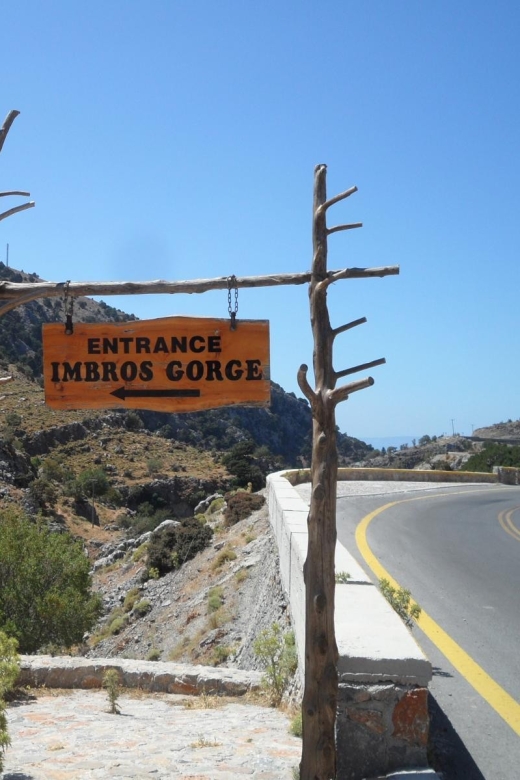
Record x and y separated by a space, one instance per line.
17 293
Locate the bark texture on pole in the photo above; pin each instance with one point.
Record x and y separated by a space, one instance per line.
321 652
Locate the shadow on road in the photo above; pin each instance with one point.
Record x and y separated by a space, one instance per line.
447 753
438 672
17 776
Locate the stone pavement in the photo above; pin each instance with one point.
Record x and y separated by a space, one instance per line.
70 735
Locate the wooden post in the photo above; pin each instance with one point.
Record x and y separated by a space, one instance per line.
321 652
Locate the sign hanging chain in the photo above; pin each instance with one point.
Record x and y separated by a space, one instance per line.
68 306
232 311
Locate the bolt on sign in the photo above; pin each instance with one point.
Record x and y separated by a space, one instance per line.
172 364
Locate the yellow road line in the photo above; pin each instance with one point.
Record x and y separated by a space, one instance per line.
504 704
506 521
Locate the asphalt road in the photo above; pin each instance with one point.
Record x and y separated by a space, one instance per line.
458 551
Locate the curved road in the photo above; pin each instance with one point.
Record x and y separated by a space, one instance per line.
458 551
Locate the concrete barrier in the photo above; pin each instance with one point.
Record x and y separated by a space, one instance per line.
297 477
382 719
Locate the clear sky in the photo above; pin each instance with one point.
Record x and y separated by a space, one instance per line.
177 140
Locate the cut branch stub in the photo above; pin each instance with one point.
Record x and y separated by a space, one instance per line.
361 367
8 121
343 392
16 209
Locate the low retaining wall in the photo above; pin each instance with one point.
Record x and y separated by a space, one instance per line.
382 719
154 676
297 477
507 475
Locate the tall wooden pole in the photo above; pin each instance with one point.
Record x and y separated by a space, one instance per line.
321 652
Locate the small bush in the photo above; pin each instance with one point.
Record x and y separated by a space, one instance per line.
276 652
216 505
215 599
143 607
241 575
130 599
117 625
43 493
133 422
342 577
140 552
113 688
174 545
240 505
9 671
225 555
13 420
220 654
400 599
153 466
296 727
219 618
153 655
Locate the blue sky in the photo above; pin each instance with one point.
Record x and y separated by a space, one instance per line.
177 140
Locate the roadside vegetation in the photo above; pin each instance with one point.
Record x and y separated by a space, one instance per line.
45 585
400 600
9 671
494 454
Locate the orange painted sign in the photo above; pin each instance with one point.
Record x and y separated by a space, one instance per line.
172 364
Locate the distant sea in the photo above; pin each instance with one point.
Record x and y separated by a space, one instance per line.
389 441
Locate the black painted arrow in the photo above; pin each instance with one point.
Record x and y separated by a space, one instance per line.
123 393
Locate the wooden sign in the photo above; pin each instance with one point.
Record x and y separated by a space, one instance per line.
173 364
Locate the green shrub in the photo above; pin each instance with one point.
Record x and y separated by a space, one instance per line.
296 725
117 625
113 688
240 505
239 461
216 505
153 465
140 552
45 583
276 652
130 599
13 420
9 671
43 493
133 422
174 545
215 599
220 654
400 599
225 555
54 469
494 455
153 655
143 607
342 577
91 483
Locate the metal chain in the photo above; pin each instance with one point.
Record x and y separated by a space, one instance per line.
232 284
